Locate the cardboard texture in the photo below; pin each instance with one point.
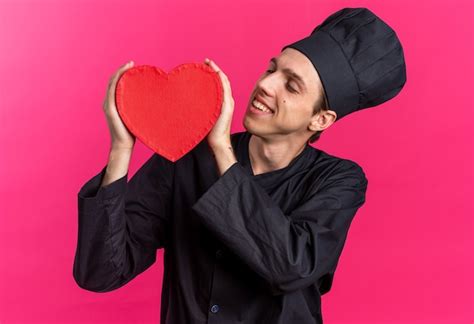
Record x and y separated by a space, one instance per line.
169 112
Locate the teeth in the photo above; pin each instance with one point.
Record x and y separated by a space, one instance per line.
260 106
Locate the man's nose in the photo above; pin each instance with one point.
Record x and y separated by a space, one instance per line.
267 85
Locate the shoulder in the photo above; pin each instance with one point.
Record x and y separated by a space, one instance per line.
345 186
354 168
342 170
335 183
350 177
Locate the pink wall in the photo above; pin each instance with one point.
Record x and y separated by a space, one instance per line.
408 257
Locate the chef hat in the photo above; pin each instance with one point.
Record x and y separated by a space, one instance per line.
358 57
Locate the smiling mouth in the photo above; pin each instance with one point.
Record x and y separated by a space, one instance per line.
260 106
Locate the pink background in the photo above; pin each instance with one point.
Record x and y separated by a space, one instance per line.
408 257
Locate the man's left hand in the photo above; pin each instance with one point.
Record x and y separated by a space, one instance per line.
219 135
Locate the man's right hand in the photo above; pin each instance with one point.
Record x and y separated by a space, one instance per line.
121 138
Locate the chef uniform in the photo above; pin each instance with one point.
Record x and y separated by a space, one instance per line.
240 247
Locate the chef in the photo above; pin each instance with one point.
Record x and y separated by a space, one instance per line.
252 223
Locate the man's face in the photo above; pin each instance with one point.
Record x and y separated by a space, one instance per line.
290 98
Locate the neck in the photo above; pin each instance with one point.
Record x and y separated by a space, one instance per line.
268 155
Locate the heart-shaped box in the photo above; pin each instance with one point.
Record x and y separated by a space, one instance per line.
169 112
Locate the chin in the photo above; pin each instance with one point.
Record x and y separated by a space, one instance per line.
247 123
252 127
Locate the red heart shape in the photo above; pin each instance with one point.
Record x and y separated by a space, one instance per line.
169 112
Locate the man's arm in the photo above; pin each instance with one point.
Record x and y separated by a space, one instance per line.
291 251
117 166
121 225
224 156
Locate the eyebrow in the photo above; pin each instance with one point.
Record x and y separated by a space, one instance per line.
291 73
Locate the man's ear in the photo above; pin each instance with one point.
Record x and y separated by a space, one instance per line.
322 120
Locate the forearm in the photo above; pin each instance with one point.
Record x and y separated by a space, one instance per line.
119 228
117 166
101 212
225 157
289 249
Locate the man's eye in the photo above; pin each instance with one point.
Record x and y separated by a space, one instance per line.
291 88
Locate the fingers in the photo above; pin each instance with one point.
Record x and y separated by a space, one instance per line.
115 77
224 79
120 71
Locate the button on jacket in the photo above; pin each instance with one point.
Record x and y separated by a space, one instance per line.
238 248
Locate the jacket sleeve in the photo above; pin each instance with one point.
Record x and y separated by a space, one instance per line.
289 251
121 225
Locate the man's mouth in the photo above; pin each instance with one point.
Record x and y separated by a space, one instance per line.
260 106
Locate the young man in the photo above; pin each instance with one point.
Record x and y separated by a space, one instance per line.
252 224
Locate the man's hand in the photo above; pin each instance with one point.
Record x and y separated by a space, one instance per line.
219 136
